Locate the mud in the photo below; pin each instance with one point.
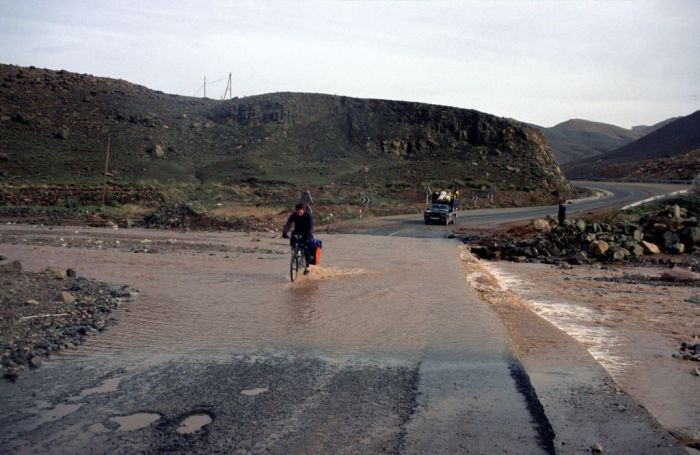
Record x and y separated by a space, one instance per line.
628 320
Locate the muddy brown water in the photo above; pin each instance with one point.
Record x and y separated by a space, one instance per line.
370 294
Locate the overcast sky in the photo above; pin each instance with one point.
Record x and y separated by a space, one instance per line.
621 62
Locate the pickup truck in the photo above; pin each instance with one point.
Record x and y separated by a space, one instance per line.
443 209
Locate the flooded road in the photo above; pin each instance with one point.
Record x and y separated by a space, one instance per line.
384 348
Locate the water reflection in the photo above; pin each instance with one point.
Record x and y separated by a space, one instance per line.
300 302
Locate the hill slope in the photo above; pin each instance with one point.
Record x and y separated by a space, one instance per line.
577 139
668 152
54 128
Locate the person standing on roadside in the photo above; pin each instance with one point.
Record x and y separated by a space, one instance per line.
562 211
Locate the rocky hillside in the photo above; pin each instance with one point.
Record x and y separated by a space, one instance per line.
54 127
672 151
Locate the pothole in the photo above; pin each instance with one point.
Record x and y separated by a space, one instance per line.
135 421
194 423
110 385
97 428
61 411
253 392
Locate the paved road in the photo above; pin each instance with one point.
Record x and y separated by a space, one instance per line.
609 195
385 349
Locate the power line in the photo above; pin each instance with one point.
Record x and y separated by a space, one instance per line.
228 88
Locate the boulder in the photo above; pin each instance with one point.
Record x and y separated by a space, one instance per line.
598 247
650 248
581 225
541 225
677 248
31 302
690 236
579 258
669 239
628 228
636 250
617 253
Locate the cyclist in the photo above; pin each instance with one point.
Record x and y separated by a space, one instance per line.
303 226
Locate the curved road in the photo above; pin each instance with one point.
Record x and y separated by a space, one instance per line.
609 194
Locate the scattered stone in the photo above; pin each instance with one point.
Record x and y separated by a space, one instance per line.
158 151
71 273
596 448
12 267
112 225
56 273
62 134
41 315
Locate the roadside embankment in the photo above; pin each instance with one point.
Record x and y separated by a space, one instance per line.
598 340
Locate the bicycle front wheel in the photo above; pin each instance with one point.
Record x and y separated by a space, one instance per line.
294 266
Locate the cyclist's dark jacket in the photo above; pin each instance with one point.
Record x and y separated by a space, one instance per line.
303 225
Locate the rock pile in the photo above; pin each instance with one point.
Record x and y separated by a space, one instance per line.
41 313
673 230
170 215
194 216
689 351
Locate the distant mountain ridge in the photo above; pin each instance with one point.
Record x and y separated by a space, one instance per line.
578 139
670 151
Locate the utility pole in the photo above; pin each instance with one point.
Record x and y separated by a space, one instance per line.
205 86
104 176
230 87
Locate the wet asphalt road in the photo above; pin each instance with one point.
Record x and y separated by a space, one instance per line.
388 351
610 195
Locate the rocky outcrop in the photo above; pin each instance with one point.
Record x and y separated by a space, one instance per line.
56 124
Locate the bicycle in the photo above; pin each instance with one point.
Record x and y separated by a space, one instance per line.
299 259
